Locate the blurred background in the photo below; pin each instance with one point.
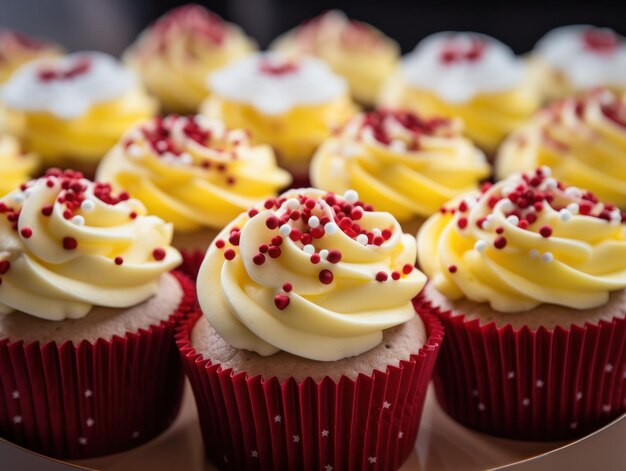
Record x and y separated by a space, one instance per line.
110 25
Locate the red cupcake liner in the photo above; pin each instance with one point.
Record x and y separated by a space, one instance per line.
92 399
367 423
530 384
192 259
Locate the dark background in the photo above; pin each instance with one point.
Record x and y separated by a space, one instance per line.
110 25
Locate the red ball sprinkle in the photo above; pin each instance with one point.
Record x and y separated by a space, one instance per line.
378 240
269 203
499 230
315 258
499 243
118 260
545 231
277 240
287 287
281 301
406 269
229 254
326 277
274 251
69 243
4 266
334 256
263 248
272 222
395 275
452 268
295 235
462 223
252 212
381 276
310 203
133 215
219 243
26 232
259 259
158 254
386 234
47 210
234 238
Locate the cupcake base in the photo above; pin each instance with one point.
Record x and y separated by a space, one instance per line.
530 383
271 423
90 398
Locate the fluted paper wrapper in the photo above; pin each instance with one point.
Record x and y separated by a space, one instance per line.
192 259
92 399
531 384
267 424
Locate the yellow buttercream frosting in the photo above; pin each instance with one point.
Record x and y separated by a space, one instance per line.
526 241
310 273
192 171
468 76
74 108
357 51
583 139
68 244
16 49
15 166
292 106
174 55
401 163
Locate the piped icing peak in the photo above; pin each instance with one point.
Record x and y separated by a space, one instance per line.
69 86
274 84
588 56
193 171
458 66
17 48
67 244
526 240
316 274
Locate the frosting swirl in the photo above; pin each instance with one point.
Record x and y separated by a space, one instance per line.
15 167
293 105
193 172
465 75
357 51
574 58
75 106
400 162
525 241
174 55
68 244
582 139
311 273
16 49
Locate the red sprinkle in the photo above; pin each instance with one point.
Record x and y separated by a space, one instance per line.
118 260
26 232
395 275
326 277
462 223
545 231
287 287
158 254
315 258
229 254
69 243
452 268
281 301
274 251
259 259
334 256
406 269
272 222
219 243
46 210
252 212
4 266
381 276
499 243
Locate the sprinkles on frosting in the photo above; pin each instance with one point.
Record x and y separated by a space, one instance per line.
302 221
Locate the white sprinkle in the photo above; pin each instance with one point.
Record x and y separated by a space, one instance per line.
480 245
87 206
525 402
487 222
546 171
506 206
284 230
186 158
481 406
616 217
397 146
534 253
134 150
547 257
78 220
18 198
565 215
573 192
90 422
362 239
293 203
579 395
376 231
512 219
323 254
308 249
551 184
573 208
351 196
331 228
314 222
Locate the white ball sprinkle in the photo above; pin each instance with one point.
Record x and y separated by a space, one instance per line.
134 150
87 206
323 254
534 253
480 245
351 196
547 257
546 171
551 184
362 239
308 249
573 208
331 228
487 222
18 198
506 205
508 189
314 221
573 192
512 219
186 158
565 215
397 146
376 231
78 220
293 203
284 230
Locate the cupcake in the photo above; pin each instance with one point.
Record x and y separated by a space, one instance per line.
467 75
16 49
402 163
74 108
309 353
174 55
571 59
15 166
88 364
529 279
194 173
290 104
357 51
583 140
